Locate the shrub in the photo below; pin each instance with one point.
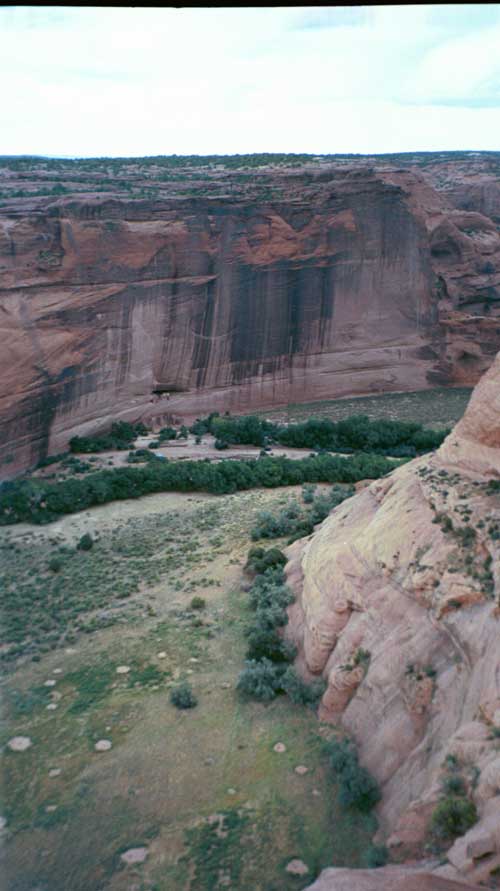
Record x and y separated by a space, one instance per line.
260 560
454 785
260 680
300 692
86 542
267 643
55 564
453 816
221 444
198 603
183 697
358 789
308 493
167 433
270 590
375 856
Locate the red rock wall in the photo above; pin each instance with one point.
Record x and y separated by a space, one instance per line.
361 282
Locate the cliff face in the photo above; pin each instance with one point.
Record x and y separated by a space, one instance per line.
409 572
351 282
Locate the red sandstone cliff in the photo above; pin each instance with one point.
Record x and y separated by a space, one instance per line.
353 281
409 571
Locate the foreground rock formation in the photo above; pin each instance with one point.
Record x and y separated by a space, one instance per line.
398 608
325 283
390 878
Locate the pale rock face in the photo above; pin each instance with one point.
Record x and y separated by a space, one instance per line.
387 878
474 444
396 572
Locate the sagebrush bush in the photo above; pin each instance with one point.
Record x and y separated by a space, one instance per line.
183 697
55 564
259 560
308 493
358 789
260 679
267 643
269 589
198 603
300 692
85 543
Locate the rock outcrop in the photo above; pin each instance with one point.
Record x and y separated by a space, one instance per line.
351 281
398 608
389 878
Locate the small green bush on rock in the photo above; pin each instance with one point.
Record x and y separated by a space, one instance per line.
453 816
376 856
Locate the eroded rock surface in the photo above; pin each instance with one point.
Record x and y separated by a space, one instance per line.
352 281
412 565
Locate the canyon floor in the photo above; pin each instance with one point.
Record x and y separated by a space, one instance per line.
71 811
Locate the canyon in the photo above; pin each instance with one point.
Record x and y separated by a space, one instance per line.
238 291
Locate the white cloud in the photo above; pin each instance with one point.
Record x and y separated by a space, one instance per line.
85 80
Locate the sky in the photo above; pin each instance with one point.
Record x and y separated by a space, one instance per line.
125 81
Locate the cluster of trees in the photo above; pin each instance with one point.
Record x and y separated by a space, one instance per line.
357 433
121 436
39 501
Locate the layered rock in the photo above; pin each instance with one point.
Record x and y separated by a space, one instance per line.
353 281
414 673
